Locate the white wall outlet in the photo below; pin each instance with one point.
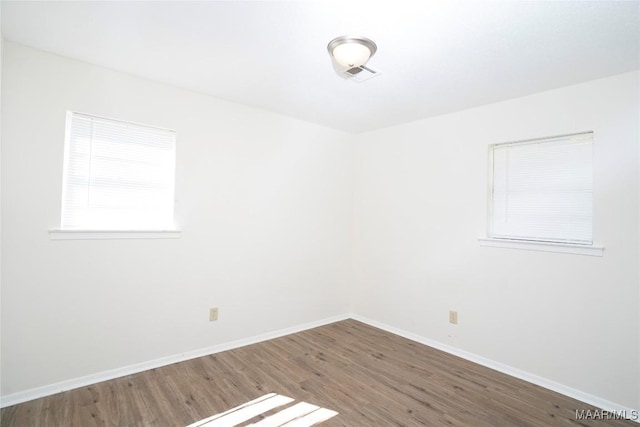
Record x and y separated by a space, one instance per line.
213 314
453 317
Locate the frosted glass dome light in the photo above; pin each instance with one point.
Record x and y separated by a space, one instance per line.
351 52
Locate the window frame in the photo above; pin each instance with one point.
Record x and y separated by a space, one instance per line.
61 233
526 244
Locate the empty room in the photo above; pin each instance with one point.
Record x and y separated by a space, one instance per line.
297 213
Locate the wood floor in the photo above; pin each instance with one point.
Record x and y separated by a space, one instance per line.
371 377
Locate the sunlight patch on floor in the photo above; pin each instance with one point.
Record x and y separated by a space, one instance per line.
301 414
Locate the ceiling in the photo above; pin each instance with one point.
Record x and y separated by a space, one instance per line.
435 57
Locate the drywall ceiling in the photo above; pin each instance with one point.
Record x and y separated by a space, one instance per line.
435 56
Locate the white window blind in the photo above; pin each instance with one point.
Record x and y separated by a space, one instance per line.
117 175
541 190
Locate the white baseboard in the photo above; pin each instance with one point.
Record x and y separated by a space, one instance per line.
506 369
38 392
47 390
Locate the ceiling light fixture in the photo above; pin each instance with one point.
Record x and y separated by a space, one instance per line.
351 52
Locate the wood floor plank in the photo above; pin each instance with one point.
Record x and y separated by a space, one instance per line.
369 376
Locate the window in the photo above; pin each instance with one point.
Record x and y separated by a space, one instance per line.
541 190
117 175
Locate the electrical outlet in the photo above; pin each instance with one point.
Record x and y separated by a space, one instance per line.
453 317
213 314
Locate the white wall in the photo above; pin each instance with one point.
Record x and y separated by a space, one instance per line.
420 205
264 203
1 56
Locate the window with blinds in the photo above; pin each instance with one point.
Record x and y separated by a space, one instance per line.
541 190
117 175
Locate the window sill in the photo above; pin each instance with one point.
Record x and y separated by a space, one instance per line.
543 246
112 234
